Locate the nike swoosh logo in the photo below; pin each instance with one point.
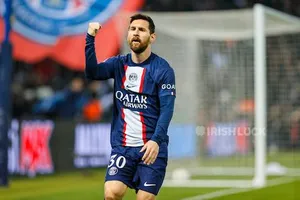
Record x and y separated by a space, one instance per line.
130 86
149 185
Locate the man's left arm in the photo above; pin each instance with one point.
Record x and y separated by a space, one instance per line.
166 94
165 116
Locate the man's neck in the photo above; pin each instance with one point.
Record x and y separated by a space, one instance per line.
139 58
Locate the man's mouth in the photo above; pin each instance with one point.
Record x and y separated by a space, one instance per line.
136 40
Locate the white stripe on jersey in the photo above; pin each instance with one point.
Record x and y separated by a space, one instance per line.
134 78
134 128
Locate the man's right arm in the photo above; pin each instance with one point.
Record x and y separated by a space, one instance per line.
93 70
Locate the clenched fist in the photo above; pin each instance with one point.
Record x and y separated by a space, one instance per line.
94 27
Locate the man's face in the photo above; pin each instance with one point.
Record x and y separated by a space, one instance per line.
139 36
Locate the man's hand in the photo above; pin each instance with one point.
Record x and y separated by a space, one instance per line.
151 152
93 29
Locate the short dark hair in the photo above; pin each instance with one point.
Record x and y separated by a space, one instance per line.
146 18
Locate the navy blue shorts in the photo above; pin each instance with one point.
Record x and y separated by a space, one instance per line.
126 166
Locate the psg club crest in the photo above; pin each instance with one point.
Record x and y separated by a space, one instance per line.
46 20
56 29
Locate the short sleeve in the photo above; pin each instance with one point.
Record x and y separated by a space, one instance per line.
166 83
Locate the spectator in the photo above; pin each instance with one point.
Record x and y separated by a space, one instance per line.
67 103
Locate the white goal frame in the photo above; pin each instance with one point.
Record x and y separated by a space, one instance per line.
259 34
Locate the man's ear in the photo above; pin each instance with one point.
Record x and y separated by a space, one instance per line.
152 37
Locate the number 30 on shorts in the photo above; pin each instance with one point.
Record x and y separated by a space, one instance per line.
120 161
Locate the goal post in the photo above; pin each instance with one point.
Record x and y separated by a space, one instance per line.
260 95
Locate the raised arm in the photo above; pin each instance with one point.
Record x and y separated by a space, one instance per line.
93 69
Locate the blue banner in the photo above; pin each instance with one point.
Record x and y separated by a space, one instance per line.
227 139
183 141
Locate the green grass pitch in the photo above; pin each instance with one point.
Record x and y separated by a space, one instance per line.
89 185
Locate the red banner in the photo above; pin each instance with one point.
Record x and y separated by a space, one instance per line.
35 152
68 49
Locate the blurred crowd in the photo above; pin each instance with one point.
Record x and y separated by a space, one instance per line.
284 90
288 6
49 90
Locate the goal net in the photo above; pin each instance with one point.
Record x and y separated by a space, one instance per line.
237 82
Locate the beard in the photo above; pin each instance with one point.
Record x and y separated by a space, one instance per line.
141 47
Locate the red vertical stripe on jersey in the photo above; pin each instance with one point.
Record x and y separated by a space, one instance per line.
124 128
142 81
124 77
143 128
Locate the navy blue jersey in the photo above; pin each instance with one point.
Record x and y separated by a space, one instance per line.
137 90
